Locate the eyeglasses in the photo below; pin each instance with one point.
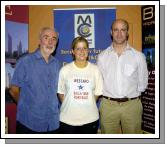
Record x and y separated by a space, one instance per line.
80 49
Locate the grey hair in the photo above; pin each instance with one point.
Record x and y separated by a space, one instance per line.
47 28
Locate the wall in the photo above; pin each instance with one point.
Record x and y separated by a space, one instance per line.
40 16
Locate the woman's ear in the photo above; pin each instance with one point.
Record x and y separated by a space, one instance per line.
73 56
72 52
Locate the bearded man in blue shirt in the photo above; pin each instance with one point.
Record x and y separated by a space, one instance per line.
34 88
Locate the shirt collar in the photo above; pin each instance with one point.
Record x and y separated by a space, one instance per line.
128 47
39 55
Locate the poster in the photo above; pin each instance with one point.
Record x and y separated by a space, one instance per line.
92 24
16 45
16 37
148 45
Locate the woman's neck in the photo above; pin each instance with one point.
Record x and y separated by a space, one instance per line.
81 64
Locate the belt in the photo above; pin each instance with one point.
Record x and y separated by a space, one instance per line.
120 99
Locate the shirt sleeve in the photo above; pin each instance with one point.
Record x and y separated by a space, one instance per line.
100 65
99 83
19 74
142 73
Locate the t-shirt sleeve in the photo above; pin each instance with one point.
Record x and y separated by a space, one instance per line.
99 83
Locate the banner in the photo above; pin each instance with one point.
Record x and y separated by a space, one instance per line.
16 37
148 45
16 45
92 24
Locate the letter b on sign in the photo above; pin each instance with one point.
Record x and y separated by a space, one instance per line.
148 13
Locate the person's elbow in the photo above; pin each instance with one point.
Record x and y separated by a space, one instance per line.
14 92
61 97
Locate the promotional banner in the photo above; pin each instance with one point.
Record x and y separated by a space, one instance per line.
16 37
16 45
148 44
92 24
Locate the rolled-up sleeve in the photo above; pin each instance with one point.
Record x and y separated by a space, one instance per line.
142 73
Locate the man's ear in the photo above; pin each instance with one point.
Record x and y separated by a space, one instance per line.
111 35
127 36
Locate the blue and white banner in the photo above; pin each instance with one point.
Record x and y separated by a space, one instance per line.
93 24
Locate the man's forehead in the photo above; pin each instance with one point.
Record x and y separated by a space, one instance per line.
120 22
49 32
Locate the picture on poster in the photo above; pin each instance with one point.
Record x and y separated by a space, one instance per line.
150 56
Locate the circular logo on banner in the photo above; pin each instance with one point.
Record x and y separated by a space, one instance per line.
84 30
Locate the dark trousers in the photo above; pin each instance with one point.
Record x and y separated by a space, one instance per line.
90 128
22 129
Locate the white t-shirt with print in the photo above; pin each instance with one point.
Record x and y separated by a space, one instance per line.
79 86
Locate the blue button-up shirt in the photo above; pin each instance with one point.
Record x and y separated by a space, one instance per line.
38 103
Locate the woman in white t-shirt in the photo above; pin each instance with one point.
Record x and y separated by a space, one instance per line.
80 84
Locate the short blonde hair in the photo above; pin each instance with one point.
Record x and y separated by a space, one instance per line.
77 40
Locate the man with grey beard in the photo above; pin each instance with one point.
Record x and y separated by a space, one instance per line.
34 88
